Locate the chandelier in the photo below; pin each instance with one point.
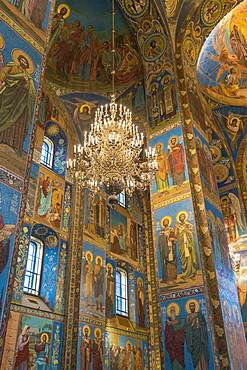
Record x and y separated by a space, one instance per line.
112 155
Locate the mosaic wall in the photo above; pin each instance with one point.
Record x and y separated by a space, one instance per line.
197 206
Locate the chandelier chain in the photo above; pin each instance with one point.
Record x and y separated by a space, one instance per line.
112 155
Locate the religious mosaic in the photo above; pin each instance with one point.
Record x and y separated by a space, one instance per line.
186 334
22 66
49 199
177 250
80 54
92 303
171 179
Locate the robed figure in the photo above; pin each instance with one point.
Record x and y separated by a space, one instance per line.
161 176
168 254
184 233
176 162
86 349
174 334
42 352
17 98
21 361
97 351
109 303
196 338
140 302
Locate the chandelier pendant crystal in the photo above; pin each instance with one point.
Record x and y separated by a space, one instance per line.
112 155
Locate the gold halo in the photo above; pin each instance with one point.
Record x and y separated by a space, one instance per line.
173 304
120 223
145 21
87 253
159 64
83 330
109 264
224 198
198 31
211 215
166 76
2 43
139 279
137 84
46 335
179 213
85 105
95 330
126 344
232 118
197 308
16 53
235 23
154 84
161 144
101 261
168 218
64 6
173 137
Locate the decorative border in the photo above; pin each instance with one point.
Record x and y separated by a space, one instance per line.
21 32
182 293
34 312
70 337
11 179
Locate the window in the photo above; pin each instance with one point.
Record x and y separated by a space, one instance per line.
122 292
122 198
34 266
47 152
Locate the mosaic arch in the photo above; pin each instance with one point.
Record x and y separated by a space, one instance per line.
80 55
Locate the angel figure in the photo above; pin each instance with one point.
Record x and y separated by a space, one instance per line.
233 124
147 28
232 216
237 208
83 113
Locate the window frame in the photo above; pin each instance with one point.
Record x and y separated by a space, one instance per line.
34 288
124 202
50 153
125 313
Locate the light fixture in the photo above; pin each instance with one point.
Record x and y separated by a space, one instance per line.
112 156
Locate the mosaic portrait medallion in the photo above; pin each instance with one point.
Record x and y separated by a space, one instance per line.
190 50
135 8
211 12
154 46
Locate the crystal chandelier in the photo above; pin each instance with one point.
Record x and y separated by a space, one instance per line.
110 157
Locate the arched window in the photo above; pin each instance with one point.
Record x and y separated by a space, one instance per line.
34 266
122 198
122 298
47 152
